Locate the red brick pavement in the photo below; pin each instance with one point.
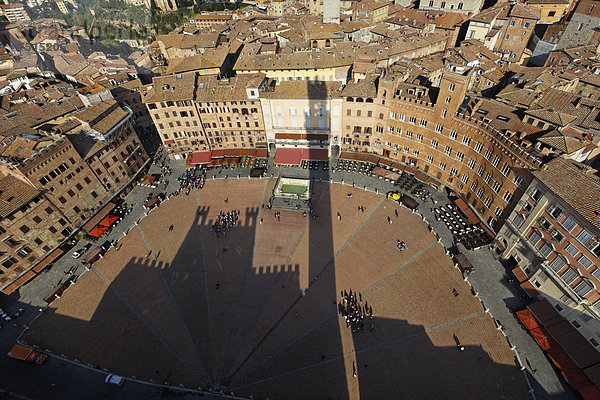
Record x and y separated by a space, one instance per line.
271 328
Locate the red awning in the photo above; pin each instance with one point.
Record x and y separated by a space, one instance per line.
98 231
527 319
217 153
540 337
288 156
315 154
590 393
148 180
108 221
262 153
99 216
460 203
200 157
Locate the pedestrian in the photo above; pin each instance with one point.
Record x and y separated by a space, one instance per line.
455 292
353 370
396 211
260 222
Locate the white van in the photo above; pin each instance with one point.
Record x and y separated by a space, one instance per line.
114 380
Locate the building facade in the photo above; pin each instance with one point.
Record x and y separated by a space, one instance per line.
553 235
55 183
463 6
302 114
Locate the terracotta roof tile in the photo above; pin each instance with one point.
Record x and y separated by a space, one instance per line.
14 194
559 174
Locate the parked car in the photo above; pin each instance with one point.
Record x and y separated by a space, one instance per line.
106 245
81 251
394 196
113 379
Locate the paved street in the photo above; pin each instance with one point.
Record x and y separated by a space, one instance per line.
54 379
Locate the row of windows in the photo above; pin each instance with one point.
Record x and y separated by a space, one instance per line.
164 104
292 111
489 155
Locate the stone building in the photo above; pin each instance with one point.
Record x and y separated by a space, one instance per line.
230 112
170 102
462 6
551 11
553 236
54 180
30 226
465 151
505 28
582 28
302 114
331 11
363 115
118 154
196 113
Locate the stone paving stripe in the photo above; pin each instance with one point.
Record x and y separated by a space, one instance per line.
310 283
271 294
128 304
378 345
204 266
410 260
397 269
332 259
246 272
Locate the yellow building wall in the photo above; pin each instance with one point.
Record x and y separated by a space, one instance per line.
546 9
324 74
381 14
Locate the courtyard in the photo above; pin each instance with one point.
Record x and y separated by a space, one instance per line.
255 310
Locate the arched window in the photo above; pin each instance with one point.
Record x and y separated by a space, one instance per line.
558 263
584 287
570 275
359 100
546 250
369 100
518 220
350 99
460 6
535 237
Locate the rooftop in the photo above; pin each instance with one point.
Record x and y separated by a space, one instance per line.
171 87
14 194
559 174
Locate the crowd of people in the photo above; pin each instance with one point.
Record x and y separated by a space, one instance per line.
225 221
355 313
192 180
